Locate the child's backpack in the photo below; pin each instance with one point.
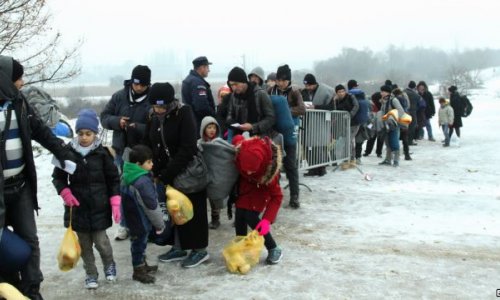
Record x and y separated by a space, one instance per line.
43 104
467 106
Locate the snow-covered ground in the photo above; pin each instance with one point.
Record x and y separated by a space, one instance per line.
429 229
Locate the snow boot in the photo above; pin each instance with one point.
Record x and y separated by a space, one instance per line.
141 274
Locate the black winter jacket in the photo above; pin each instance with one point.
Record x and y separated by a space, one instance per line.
95 180
196 92
121 106
179 133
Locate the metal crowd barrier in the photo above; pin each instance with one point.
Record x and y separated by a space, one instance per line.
323 138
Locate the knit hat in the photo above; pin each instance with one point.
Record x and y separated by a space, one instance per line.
412 84
237 74
310 79
161 93
388 82
386 88
352 84
452 89
271 76
284 73
87 119
141 75
254 156
17 70
339 87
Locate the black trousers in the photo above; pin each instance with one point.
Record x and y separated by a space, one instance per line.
371 143
245 218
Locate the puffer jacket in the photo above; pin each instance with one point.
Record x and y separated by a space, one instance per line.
95 180
446 114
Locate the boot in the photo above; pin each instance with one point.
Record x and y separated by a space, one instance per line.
215 223
396 159
312 172
150 269
407 156
321 171
141 274
294 201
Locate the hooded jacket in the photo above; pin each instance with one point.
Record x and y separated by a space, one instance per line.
446 114
30 127
260 191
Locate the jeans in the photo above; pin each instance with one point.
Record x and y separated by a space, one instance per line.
291 169
447 133
250 218
101 241
19 213
429 128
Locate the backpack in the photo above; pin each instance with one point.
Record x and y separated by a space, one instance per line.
362 115
285 123
467 106
43 104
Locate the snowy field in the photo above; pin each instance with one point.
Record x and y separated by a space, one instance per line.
429 229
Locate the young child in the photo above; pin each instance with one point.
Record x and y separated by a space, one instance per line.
445 119
258 160
209 131
93 191
140 209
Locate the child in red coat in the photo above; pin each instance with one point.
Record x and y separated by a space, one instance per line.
258 160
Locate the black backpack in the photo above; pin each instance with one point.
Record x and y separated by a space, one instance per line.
467 106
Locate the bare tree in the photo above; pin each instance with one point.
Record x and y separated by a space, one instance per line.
25 33
463 78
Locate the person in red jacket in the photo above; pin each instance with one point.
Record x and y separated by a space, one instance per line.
258 160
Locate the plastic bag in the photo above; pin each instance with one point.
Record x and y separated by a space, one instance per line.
70 251
243 252
179 206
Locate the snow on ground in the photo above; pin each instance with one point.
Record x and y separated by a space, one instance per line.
428 229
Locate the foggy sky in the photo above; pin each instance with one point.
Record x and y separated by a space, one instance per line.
267 33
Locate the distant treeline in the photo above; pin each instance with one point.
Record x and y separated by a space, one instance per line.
401 65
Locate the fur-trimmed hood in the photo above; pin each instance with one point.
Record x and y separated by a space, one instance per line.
259 156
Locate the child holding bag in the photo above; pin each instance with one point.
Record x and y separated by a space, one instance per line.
258 160
94 192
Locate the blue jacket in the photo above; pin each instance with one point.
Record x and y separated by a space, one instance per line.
197 94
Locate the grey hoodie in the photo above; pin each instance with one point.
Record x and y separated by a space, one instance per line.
204 123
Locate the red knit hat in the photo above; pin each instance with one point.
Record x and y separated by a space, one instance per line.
254 156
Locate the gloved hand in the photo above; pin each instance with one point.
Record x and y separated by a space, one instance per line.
68 198
115 202
263 227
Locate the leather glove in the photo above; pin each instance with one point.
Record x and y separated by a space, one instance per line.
263 227
68 198
115 202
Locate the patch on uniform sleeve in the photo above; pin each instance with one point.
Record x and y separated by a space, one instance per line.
202 90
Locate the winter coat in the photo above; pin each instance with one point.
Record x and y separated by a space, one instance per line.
30 127
172 138
178 129
349 103
445 114
413 98
294 98
143 201
262 194
121 105
196 92
389 104
95 180
238 110
458 108
430 109
321 96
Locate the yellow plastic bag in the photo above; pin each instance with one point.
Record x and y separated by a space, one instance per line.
243 252
70 251
9 292
179 206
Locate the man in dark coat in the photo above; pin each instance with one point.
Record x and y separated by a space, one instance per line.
430 109
458 109
126 114
414 98
196 90
18 184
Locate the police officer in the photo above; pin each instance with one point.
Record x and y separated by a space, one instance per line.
196 90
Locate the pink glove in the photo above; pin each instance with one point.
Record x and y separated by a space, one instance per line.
68 198
263 227
115 202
